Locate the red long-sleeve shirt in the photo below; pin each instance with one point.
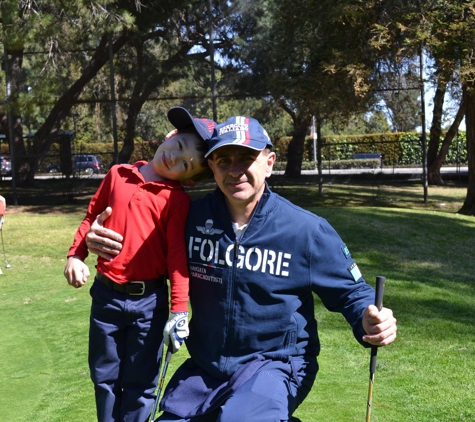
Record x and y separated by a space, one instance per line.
151 218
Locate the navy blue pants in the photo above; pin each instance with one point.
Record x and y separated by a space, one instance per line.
125 338
272 394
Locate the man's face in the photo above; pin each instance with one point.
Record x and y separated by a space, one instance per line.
241 172
177 158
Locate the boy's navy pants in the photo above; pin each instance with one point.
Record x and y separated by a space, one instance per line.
125 338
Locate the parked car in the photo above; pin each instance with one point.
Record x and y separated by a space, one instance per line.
86 163
368 156
5 166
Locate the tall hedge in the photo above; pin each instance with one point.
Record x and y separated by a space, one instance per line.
396 148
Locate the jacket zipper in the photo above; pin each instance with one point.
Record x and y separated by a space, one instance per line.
230 308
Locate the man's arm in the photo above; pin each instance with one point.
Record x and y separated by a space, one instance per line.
380 327
102 241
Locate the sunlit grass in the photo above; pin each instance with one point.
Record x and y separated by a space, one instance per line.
425 251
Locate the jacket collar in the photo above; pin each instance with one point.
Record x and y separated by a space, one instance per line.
263 206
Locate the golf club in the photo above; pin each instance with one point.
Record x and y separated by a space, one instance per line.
7 265
160 384
378 301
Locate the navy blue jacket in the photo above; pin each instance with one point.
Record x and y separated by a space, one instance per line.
254 295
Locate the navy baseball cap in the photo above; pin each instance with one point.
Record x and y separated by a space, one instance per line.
239 130
182 119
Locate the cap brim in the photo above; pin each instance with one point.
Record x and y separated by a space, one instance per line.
254 146
182 119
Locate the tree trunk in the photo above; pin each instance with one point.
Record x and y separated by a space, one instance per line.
135 105
296 145
434 175
319 122
143 90
14 77
436 126
47 132
468 207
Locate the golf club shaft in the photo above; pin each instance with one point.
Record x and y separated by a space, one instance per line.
378 301
160 383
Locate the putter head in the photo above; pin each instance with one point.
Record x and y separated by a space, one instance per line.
7 265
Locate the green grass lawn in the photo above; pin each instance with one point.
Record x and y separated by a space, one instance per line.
424 250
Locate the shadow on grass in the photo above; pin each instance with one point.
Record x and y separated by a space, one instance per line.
46 194
437 246
303 191
428 255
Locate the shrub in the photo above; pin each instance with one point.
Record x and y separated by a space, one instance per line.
396 149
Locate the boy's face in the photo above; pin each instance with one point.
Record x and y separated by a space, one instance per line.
177 158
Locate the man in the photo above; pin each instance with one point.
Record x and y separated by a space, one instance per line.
255 260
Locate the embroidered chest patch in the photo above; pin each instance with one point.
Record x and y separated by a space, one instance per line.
346 252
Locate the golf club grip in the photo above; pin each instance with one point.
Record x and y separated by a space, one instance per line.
378 302
169 353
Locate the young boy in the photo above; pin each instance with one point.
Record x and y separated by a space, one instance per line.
129 294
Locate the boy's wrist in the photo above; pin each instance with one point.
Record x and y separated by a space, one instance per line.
176 308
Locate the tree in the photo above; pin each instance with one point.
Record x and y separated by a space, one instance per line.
446 67
309 57
468 207
33 27
371 122
445 30
437 151
377 123
398 89
452 43
156 44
